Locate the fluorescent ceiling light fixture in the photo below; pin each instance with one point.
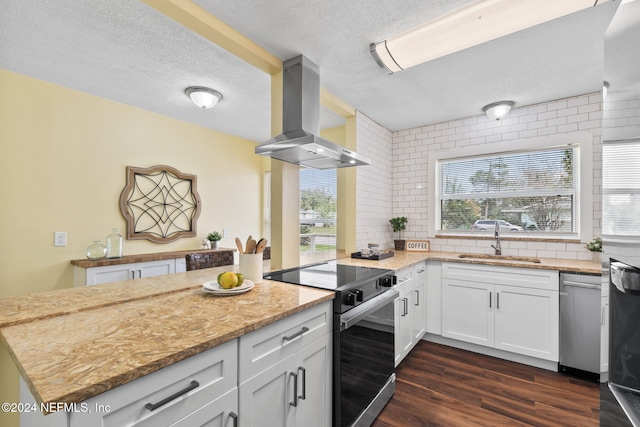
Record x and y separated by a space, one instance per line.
468 26
203 97
498 110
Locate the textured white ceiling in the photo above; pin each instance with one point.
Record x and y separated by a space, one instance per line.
126 51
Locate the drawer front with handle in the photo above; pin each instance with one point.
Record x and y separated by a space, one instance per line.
168 395
266 346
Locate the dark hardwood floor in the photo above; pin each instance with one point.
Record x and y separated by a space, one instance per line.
442 386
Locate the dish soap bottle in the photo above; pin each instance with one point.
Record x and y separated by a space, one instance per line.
114 244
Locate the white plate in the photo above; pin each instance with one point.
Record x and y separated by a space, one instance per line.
213 287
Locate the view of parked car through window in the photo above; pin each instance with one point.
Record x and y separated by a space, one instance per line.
490 224
527 191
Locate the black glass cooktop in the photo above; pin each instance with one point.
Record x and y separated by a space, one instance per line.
327 275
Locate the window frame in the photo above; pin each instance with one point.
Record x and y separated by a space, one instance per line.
583 168
617 191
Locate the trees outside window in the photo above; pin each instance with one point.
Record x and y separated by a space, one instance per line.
535 190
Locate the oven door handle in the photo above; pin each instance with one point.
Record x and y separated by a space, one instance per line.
361 311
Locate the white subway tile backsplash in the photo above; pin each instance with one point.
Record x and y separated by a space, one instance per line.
555 117
578 100
570 127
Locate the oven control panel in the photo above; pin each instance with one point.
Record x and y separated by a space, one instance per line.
366 291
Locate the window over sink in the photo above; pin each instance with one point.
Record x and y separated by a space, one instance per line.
541 187
527 191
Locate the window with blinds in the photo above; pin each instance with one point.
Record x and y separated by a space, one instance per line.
533 191
621 188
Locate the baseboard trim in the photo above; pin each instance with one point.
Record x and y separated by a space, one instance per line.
488 351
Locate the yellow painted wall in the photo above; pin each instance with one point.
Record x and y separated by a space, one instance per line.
63 155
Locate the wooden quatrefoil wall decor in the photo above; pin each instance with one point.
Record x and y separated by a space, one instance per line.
160 204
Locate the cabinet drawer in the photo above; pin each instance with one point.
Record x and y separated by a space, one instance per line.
267 346
420 269
498 275
214 370
404 275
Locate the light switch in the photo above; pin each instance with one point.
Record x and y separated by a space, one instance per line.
60 238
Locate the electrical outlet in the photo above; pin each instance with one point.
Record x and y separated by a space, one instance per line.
225 232
60 238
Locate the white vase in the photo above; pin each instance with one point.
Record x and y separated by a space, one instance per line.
597 257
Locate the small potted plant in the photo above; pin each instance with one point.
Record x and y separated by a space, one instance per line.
213 238
595 246
399 224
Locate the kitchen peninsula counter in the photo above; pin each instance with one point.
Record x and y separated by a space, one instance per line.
403 258
73 344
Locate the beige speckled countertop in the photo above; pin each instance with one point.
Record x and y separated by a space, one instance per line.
72 344
404 258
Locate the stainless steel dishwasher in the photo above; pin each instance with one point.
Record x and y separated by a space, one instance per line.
580 317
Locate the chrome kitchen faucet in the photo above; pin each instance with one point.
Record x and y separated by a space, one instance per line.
496 235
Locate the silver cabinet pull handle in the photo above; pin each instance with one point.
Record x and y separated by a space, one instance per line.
498 300
404 307
153 406
234 417
139 274
297 334
490 298
295 389
417 297
303 396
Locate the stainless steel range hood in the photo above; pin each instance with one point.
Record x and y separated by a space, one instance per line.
299 143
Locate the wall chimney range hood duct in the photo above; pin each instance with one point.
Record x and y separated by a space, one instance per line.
299 143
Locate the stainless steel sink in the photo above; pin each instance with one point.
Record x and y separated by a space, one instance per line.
505 258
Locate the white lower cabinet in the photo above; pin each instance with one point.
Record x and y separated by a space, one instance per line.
418 304
285 371
467 311
409 309
294 392
403 330
510 309
118 272
433 290
527 322
221 412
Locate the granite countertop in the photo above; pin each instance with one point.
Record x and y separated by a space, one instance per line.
74 344
128 259
403 258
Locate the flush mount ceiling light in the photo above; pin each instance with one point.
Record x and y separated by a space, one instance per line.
203 97
498 110
471 25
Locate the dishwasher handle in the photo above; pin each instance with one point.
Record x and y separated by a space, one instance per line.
571 283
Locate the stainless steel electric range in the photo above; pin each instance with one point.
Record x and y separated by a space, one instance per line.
363 347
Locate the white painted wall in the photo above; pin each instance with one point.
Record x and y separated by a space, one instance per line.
374 190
